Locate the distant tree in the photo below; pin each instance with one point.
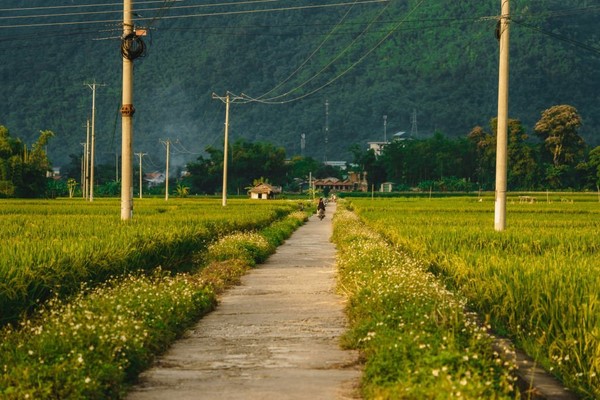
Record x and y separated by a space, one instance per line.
558 128
594 166
367 161
250 160
23 171
205 175
522 168
300 167
247 161
484 147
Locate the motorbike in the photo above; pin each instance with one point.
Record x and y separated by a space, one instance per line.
321 214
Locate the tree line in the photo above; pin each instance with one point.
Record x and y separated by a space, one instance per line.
555 157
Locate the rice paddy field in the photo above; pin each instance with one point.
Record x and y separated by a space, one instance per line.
537 282
51 247
87 301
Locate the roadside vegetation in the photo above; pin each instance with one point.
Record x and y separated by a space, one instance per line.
93 340
417 341
537 282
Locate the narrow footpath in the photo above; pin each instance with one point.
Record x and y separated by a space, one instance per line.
276 336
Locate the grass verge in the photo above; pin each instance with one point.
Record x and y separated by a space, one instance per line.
416 338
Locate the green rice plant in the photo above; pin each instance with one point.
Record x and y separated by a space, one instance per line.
536 282
87 347
417 341
93 345
50 247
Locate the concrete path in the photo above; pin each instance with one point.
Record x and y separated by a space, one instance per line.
273 337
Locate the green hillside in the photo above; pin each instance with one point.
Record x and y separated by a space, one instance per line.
434 59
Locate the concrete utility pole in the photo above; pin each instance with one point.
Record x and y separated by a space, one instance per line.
326 127
83 170
385 128
227 100
167 143
87 160
127 111
93 145
141 155
502 136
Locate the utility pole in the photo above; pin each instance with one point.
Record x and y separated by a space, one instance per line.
127 111
167 143
116 167
227 100
87 160
141 155
93 146
83 166
385 128
502 138
326 127
413 127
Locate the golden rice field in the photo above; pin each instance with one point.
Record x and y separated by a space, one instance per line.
52 247
537 282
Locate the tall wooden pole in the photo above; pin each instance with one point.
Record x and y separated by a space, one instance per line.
502 129
127 111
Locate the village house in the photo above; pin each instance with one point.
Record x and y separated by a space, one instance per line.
355 182
264 191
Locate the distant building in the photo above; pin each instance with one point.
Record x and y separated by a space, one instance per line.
154 178
338 164
54 174
378 147
355 182
264 191
386 187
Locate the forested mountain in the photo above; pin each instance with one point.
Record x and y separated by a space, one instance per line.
434 60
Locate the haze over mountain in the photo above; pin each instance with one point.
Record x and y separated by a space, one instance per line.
436 60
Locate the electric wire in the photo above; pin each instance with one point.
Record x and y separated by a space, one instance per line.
79 6
168 17
311 55
180 149
352 66
581 45
329 64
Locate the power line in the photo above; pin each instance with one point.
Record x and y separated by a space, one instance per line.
333 60
80 6
312 54
224 13
352 66
574 42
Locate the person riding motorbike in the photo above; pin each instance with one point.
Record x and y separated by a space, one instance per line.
321 209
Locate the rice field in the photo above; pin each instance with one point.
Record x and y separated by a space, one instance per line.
92 340
538 282
51 247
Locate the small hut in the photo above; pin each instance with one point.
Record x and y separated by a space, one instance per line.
264 191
